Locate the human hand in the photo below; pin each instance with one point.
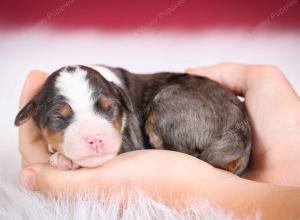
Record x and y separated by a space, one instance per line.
274 109
169 176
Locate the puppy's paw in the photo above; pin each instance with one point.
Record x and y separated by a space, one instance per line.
61 162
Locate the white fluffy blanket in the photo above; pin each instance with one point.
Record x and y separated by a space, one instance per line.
17 203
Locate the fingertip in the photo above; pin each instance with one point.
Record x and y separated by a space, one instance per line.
47 179
230 75
34 81
37 73
189 70
28 179
31 176
35 77
197 70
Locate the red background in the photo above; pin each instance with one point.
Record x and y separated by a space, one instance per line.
116 15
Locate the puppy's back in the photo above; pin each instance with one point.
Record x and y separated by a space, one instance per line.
197 116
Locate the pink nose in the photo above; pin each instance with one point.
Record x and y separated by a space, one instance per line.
95 143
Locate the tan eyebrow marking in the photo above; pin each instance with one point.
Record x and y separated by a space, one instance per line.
151 131
117 122
105 102
65 110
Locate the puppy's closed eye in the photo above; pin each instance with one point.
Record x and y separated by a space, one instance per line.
108 107
59 117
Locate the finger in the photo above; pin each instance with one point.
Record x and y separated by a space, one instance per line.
260 79
32 85
32 146
240 78
231 75
47 179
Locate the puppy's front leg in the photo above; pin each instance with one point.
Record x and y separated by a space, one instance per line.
61 162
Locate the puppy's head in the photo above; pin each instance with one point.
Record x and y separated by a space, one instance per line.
80 114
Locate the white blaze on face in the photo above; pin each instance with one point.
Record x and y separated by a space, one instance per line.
86 123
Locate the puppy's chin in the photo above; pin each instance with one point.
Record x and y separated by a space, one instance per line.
94 160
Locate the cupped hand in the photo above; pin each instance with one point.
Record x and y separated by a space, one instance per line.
274 110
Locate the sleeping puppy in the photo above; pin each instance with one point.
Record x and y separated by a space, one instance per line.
90 114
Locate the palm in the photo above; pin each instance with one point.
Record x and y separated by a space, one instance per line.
272 131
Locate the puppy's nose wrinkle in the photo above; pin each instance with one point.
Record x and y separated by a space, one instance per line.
95 143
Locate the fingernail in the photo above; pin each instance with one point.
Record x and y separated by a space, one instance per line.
28 178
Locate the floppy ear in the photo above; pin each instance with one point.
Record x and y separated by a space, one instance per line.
125 100
26 113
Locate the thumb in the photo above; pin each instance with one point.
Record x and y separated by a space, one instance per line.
47 179
231 75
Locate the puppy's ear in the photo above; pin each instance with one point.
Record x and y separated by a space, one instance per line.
26 113
125 100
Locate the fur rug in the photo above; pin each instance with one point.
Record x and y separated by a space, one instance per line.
17 203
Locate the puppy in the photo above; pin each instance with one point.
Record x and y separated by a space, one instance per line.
89 114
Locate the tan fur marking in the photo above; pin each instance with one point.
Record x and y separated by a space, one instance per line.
105 102
117 123
233 165
65 110
152 132
55 139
